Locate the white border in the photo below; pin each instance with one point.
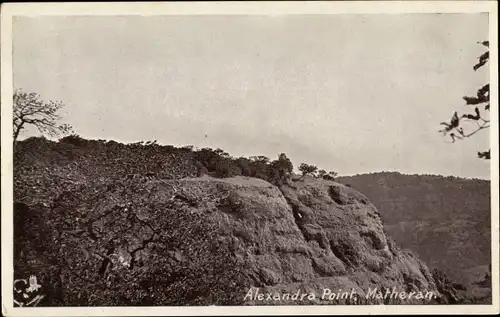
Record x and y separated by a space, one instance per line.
233 8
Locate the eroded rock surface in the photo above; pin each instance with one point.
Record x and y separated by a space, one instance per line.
204 241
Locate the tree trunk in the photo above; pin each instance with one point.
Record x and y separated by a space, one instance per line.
16 132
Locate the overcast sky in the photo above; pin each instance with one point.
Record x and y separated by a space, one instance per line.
349 93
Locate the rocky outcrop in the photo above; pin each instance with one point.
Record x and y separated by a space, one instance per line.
204 241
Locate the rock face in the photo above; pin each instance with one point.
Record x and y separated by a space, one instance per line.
204 241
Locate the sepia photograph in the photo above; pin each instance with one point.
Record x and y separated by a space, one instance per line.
249 158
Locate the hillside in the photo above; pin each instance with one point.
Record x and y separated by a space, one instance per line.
96 234
445 220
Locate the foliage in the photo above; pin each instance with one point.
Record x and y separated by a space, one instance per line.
280 170
74 139
259 167
321 173
260 159
245 165
30 109
218 162
221 164
307 169
118 160
330 176
327 175
455 128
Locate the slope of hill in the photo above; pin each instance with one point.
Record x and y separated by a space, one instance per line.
445 220
95 236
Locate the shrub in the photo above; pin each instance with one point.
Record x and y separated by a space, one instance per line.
307 169
226 167
280 170
330 176
73 139
259 167
245 166
218 162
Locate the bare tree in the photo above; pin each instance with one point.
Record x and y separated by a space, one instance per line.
30 109
481 103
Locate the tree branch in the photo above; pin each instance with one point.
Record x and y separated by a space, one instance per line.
29 109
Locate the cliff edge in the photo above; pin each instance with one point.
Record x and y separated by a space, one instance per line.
204 241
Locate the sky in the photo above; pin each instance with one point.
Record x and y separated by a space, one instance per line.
350 93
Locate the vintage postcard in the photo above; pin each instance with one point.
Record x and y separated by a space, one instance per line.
249 158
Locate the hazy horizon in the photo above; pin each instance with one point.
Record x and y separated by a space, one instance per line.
351 93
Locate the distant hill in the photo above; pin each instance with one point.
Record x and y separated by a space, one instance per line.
445 220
